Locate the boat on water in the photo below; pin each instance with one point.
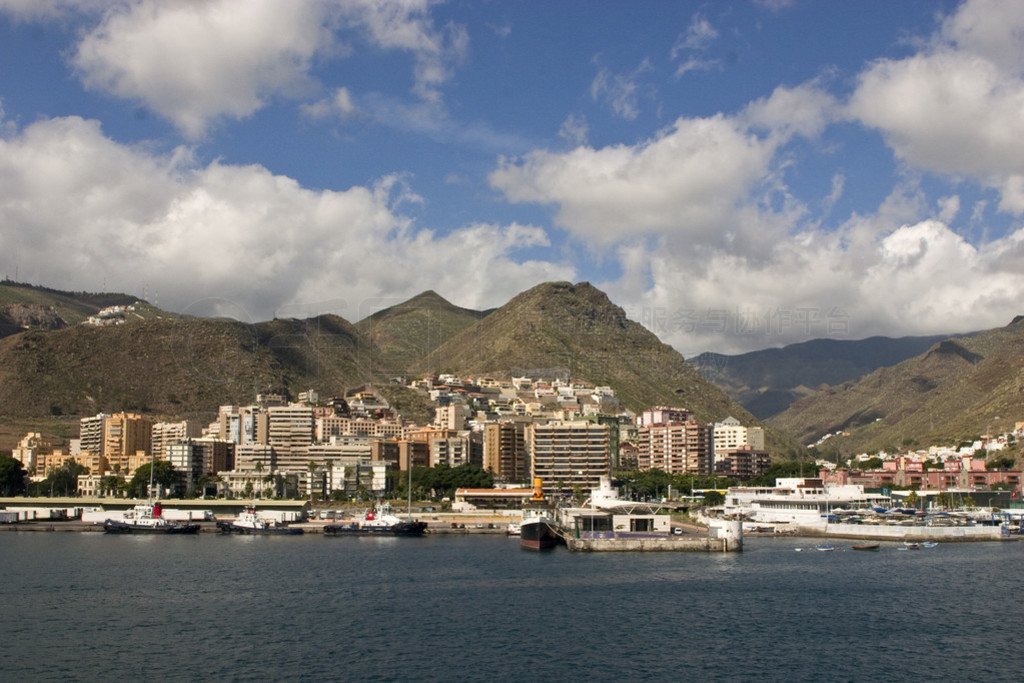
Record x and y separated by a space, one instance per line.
911 545
248 522
147 518
513 529
538 530
379 521
825 548
867 546
929 544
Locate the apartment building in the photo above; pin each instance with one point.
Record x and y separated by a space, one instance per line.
566 455
125 435
676 447
166 433
505 455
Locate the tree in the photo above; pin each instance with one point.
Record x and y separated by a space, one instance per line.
713 498
912 499
112 484
63 480
164 476
12 476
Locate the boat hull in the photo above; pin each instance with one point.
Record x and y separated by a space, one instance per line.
397 529
115 527
873 546
538 534
229 528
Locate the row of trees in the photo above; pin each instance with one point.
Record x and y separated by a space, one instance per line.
440 481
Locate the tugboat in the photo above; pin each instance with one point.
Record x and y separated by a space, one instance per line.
147 519
248 522
378 522
538 530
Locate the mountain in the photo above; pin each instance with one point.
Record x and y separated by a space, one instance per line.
959 388
402 335
766 382
24 306
173 366
574 331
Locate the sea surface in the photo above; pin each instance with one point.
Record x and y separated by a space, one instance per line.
91 606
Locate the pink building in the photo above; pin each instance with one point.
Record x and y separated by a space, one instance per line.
963 473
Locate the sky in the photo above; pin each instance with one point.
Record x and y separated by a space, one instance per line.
734 175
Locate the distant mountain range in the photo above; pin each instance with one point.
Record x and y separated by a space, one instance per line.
766 382
958 389
881 392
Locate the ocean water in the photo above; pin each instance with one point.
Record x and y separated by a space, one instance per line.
459 608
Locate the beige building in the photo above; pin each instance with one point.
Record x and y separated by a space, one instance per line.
505 454
166 433
124 436
565 455
290 428
28 450
676 447
731 435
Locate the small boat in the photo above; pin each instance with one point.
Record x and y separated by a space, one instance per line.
147 518
911 545
825 548
248 522
799 550
929 544
868 546
377 522
513 529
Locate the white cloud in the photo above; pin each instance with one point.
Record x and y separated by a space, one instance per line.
621 92
574 130
949 207
698 36
407 25
955 107
803 110
340 104
696 64
920 278
197 62
194 62
838 183
693 179
238 234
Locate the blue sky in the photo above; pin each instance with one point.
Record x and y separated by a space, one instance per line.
734 175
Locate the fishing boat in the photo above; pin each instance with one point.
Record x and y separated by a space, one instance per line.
929 544
868 546
248 522
379 521
911 545
147 518
825 548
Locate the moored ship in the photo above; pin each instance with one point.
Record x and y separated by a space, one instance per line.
377 522
248 522
538 530
147 518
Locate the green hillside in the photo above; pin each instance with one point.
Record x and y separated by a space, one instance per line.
958 389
